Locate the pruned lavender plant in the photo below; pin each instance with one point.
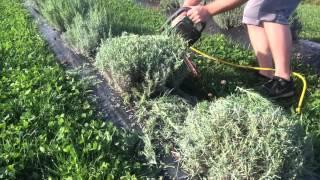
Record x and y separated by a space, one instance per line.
242 136
141 63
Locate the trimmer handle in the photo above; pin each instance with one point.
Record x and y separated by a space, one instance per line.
177 13
200 26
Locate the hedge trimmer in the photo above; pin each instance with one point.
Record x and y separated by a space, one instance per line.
184 26
191 32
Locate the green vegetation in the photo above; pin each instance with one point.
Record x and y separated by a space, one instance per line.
141 63
255 138
314 2
161 118
226 138
48 126
230 19
217 78
166 5
84 23
242 136
221 80
163 126
309 16
86 32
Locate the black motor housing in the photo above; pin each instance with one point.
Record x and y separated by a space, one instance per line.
184 26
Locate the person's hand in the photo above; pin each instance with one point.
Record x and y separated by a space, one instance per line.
179 18
198 13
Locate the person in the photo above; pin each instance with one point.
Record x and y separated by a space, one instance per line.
269 33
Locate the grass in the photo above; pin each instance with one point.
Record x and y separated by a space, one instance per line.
309 16
49 127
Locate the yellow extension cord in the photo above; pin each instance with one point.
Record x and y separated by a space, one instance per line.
298 75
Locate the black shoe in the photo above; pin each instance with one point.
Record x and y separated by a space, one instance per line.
258 80
277 88
260 76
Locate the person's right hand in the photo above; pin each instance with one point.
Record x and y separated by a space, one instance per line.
198 13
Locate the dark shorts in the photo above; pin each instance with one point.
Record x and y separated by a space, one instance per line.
278 11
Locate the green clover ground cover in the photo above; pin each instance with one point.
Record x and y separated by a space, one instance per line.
48 126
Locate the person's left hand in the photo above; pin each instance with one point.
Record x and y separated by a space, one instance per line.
198 13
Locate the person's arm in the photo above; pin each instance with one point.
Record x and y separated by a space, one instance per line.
199 13
220 6
191 3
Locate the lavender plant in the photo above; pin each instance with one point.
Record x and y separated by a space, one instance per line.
242 136
160 120
85 33
143 63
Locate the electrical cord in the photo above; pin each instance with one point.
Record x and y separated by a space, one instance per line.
298 75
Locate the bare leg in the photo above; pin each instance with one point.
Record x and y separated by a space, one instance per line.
260 44
280 42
